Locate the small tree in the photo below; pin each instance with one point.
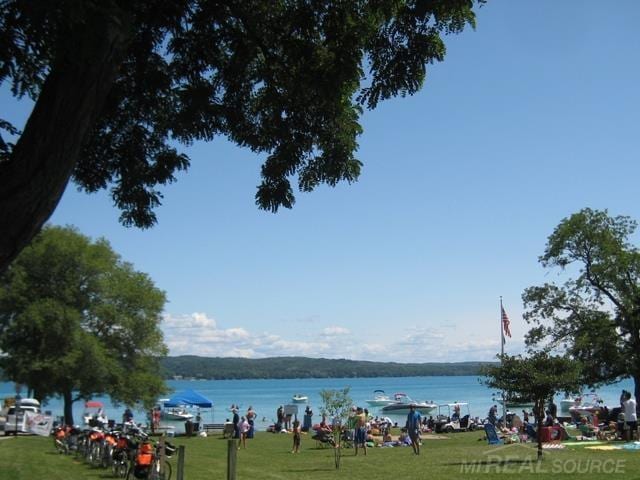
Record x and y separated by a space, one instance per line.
538 377
336 405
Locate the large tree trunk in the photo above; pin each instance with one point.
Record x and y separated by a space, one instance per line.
72 97
539 413
68 408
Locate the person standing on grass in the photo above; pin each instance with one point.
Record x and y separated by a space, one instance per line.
280 418
360 437
251 417
630 413
244 427
296 436
413 428
236 423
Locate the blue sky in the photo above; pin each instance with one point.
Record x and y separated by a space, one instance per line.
530 118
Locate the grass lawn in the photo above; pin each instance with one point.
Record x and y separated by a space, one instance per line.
268 457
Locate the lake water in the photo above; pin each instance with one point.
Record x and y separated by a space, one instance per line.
266 395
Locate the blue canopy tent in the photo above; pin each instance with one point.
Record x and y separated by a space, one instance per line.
188 398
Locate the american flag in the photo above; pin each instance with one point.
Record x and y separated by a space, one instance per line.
505 323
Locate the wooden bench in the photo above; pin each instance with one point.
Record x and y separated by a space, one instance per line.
225 428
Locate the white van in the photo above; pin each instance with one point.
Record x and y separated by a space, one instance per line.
15 423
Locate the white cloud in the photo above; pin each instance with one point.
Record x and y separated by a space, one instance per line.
335 330
200 334
194 320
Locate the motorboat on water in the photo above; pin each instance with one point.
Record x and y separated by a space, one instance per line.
402 403
565 406
176 413
586 404
380 399
298 398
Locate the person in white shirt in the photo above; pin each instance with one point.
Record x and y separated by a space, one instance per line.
244 427
630 413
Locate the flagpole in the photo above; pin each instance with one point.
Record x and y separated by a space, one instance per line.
501 331
504 401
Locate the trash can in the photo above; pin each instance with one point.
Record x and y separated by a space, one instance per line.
188 428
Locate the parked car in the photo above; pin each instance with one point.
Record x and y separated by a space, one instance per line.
15 415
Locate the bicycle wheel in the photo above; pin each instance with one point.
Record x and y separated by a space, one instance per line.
96 454
107 456
154 473
123 466
157 474
129 475
116 461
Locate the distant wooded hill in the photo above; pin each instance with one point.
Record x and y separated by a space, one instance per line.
190 366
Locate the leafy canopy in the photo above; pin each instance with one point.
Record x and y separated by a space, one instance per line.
285 78
595 314
77 320
537 377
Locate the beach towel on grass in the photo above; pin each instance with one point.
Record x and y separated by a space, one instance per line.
584 443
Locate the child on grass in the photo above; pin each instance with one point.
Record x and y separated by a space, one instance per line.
296 436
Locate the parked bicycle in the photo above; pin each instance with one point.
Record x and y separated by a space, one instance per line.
148 464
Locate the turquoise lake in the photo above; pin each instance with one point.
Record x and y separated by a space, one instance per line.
266 395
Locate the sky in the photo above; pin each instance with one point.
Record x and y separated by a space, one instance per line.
531 117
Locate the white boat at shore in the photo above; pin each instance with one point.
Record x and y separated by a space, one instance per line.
380 399
176 413
402 403
298 398
588 403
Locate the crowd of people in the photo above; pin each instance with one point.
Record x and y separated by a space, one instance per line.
620 423
363 430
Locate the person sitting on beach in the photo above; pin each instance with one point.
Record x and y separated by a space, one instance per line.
324 426
549 420
456 413
404 440
587 429
609 432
